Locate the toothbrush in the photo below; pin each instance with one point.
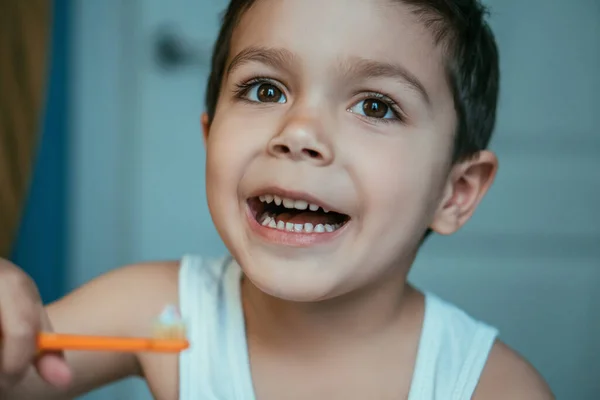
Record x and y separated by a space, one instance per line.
169 337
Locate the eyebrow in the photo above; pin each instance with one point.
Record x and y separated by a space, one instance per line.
365 68
276 58
353 67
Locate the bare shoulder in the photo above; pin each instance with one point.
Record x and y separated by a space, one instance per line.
122 302
507 375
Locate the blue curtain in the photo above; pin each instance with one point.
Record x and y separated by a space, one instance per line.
40 248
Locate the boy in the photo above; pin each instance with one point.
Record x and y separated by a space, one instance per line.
338 133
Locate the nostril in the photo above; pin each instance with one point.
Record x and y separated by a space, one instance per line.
293 151
281 149
312 153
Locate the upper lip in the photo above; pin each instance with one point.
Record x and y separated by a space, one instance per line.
295 195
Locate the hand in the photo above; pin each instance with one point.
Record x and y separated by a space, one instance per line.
22 317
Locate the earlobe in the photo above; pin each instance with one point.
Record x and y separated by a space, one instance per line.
468 182
205 126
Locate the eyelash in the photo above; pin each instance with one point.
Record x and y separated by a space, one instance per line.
242 89
394 107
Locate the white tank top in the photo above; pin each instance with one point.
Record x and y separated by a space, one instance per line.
452 352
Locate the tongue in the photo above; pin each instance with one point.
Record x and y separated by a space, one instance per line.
314 218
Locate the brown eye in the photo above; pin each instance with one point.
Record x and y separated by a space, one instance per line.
268 93
375 108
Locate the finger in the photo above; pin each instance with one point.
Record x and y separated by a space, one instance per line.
52 366
19 324
53 369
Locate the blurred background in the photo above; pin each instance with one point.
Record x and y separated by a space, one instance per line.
102 164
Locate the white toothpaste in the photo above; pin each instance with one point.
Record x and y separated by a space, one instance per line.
170 324
170 316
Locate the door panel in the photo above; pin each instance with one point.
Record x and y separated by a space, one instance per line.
169 204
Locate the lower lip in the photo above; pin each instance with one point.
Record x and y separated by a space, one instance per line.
294 239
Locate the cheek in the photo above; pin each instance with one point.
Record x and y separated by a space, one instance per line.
227 148
233 144
398 181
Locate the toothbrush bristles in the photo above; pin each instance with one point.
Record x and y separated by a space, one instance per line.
169 331
169 325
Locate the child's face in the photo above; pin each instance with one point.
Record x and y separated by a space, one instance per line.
342 103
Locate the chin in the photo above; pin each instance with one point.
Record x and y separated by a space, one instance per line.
297 280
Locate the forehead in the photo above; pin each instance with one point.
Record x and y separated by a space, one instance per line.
321 33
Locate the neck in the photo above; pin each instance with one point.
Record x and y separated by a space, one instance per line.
348 319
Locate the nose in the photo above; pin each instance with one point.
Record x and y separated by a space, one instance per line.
302 140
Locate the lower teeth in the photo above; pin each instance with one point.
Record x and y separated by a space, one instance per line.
270 221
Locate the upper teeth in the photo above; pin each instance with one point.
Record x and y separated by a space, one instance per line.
289 203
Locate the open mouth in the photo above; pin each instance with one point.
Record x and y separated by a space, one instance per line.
295 215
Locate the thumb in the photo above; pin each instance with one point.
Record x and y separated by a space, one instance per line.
52 366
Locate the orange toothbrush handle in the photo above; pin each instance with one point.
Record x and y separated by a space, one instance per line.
51 341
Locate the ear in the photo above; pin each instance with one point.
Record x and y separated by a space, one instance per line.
467 183
205 126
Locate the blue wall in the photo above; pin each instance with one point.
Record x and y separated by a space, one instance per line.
40 248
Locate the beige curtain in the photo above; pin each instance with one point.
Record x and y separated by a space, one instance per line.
24 45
